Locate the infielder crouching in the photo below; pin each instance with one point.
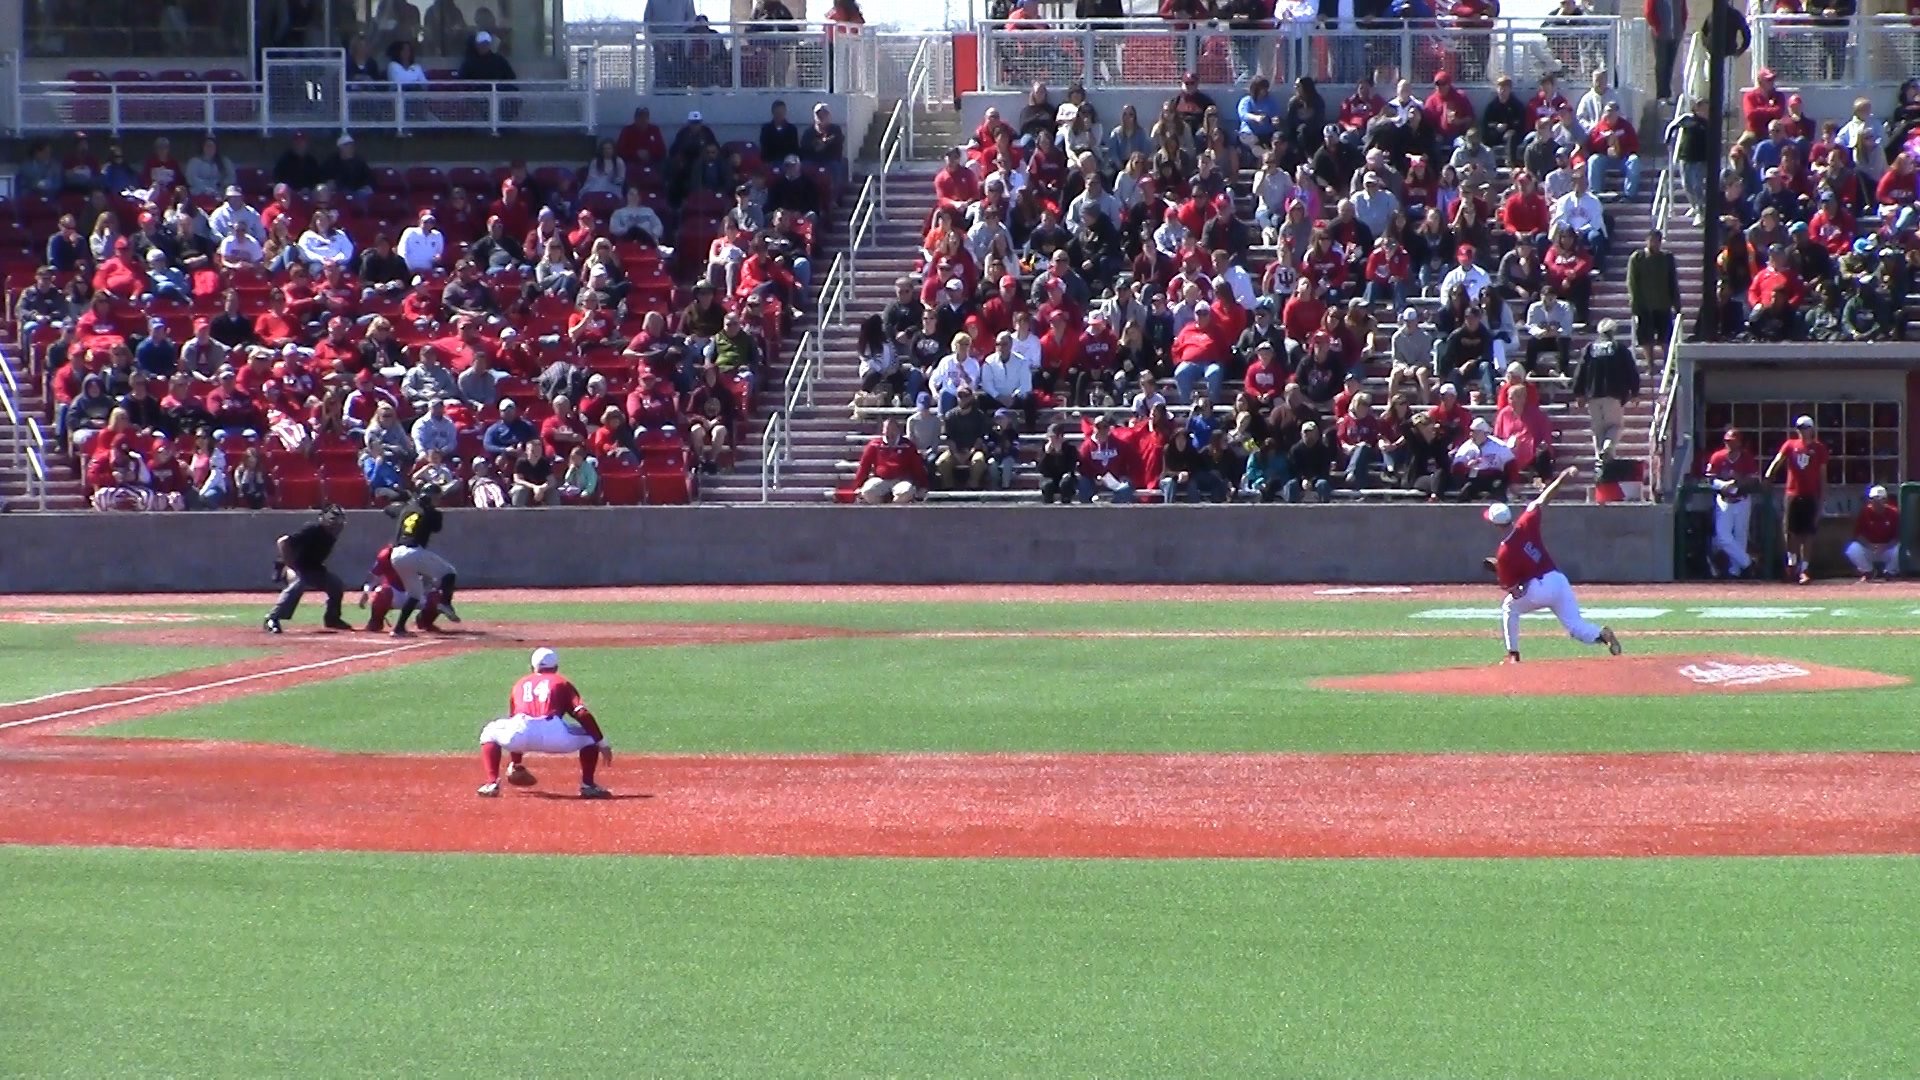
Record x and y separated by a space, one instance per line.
1876 536
545 716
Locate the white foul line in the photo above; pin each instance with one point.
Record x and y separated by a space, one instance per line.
203 687
77 692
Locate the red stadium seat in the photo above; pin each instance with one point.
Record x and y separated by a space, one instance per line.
621 485
426 180
347 490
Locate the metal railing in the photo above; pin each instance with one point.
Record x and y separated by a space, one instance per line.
1671 445
895 146
1674 174
1871 54
1120 54
776 447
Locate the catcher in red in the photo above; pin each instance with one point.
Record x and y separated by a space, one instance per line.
545 716
1527 572
385 590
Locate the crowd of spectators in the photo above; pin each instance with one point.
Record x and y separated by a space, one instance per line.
220 336
1081 262
1820 218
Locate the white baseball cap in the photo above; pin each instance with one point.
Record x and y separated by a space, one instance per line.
1804 421
1480 424
1498 514
1877 491
546 660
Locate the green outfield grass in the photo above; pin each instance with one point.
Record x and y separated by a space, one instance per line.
245 965
1083 694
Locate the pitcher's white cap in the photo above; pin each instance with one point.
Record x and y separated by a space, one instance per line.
546 660
1499 514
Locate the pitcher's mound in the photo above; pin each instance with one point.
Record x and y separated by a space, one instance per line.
1663 674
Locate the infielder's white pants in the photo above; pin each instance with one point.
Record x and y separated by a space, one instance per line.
528 735
420 564
1551 590
1867 557
1730 523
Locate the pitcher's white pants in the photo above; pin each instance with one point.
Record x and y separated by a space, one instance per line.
1553 591
1730 526
1866 557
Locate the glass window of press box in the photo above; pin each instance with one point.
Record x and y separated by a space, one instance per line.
441 30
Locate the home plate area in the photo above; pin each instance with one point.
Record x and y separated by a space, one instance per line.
1659 675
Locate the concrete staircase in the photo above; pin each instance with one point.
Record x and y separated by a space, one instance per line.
63 488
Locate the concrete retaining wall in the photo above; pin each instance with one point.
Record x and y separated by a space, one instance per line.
86 552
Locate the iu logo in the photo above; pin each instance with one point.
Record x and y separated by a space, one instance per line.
1715 673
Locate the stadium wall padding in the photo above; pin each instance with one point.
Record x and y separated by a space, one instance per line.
189 552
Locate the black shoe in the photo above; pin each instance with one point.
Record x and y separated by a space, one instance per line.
337 624
270 624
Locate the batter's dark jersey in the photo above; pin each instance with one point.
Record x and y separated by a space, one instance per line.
418 524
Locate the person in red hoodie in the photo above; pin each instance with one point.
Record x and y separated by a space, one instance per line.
1303 313
1450 418
1200 352
1099 350
1611 145
1106 464
955 186
1832 227
640 142
273 327
996 315
1387 272
121 273
1777 274
338 351
1761 104
1448 108
1060 361
1876 537
1359 109
1898 187
891 469
1525 214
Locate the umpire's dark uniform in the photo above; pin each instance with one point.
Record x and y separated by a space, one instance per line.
305 554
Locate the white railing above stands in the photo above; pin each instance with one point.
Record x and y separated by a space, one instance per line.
1128 53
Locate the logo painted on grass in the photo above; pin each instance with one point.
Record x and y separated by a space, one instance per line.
1475 614
108 618
1716 673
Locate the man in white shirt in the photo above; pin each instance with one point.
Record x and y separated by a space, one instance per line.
1581 212
324 246
1245 291
956 370
981 238
1374 205
1593 103
1466 273
1557 183
1549 326
1095 196
235 209
1006 381
434 431
1485 460
423 245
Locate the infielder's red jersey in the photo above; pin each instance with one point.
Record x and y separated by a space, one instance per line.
1723 466
1878 524
1806 467
543 696
1523 555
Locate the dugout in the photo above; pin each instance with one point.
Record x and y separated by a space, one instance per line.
1860 396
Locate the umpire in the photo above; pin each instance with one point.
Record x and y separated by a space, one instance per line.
302 565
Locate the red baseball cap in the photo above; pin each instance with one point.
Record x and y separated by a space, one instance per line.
1009 282
1764 73
1440 77
1464 251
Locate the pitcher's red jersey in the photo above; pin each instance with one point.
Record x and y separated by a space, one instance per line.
1523 554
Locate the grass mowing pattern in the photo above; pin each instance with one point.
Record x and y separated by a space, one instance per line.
341 965
852 695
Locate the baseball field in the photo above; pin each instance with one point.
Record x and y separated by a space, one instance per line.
971 832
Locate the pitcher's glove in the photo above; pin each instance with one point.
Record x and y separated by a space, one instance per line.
1489 565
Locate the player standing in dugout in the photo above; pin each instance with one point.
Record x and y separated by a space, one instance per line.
416 563
300 564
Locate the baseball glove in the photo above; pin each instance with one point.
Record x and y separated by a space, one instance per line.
1489 565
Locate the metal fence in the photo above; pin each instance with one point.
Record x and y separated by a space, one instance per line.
1870 53
1156 54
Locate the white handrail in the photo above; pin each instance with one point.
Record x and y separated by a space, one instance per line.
37 473
834 292
799 378
775 448
1674 173
1666 441
867 210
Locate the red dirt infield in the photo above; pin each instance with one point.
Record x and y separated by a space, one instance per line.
55 789
1659 675
229 795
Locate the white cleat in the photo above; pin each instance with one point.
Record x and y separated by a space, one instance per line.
489 791
594 791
